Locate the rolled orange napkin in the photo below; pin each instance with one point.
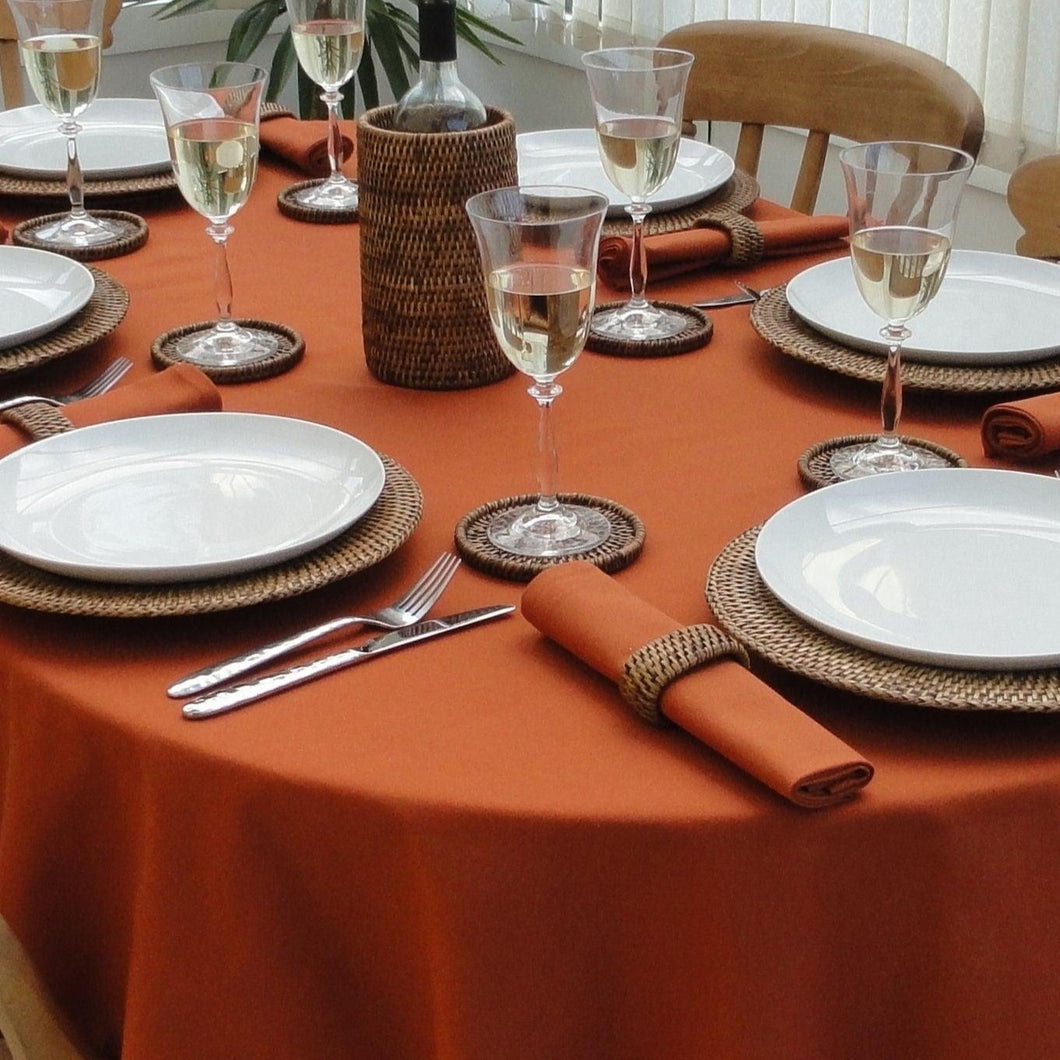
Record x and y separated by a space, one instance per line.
723 704
1023 430
676 253
304 143
3 234
179 388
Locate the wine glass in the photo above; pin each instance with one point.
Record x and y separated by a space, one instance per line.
538 250
62 45
328 40
902 200
638 96
211 113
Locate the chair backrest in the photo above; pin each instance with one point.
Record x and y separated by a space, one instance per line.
33 1028
826 81
1034 199
11 86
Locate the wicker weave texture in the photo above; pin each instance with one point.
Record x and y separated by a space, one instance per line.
426 324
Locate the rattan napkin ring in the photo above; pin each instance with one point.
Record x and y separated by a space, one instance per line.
651 668
748 243
37 419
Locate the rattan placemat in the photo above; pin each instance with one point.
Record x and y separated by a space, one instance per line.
698 331
282 359
815 467
734 196
102 313
775 320
298 211
749 611
135 235
385 527
116 188
621 548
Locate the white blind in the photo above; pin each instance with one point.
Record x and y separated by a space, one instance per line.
1008 50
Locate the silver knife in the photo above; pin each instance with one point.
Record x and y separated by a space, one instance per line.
225 699
724 300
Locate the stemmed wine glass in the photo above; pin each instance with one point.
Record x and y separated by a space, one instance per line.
62 45
638 96
211 113
538 249
902 200
328 40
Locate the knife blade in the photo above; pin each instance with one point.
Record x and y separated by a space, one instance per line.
729 299
226 699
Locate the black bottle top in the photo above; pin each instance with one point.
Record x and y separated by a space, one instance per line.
437 19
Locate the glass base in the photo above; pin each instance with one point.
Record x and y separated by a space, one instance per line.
565 531
331 195
227 347
881 458
86 231
630 323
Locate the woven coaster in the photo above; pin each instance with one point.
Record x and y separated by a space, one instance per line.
102 313
386 526
698 332
750 612
734 196
774 319
621 548
286 356
117 188
290 207
816 471
24 234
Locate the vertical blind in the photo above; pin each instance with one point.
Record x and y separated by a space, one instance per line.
1008 50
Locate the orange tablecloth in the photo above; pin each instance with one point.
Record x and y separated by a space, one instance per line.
471 850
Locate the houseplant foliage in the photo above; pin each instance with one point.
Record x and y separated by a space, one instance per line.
391 45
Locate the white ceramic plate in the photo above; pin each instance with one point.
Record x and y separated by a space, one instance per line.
956 567
118 138
181 497
992 309
570 156
38 292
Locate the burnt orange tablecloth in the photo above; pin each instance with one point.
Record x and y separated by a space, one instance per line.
471 850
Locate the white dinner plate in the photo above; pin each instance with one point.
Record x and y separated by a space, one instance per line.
118 138
570 156
955 567
181 497
38 292
991 309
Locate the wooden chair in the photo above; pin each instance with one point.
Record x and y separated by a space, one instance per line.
826 81
10 67
33 1028
1034 199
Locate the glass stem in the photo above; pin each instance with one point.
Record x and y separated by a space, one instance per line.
333 99
548 459
638 262
891 399
222 276
75 183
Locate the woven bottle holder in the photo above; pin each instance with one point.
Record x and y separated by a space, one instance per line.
425 319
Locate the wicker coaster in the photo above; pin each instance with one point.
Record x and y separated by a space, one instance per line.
620 549
815 468
117 188
102 313
385 527
734 196
750 612
286 356
778 324
699 331
290 207
24 234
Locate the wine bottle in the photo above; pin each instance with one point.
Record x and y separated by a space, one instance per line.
439 101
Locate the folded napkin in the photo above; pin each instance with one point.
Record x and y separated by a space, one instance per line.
723 703
179 388
676 253
304 143
1022 430
3 234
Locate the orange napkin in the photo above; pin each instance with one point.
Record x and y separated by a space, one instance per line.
3 234
179 388
304 143
1023 430
676 253
723 704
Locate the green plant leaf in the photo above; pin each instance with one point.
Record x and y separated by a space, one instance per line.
183 7
386 40
366 78
250 28
284 61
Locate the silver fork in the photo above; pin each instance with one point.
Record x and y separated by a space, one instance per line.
407 610
100 385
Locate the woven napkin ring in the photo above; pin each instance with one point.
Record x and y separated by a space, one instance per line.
37 419
649 669
748 246
275 110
